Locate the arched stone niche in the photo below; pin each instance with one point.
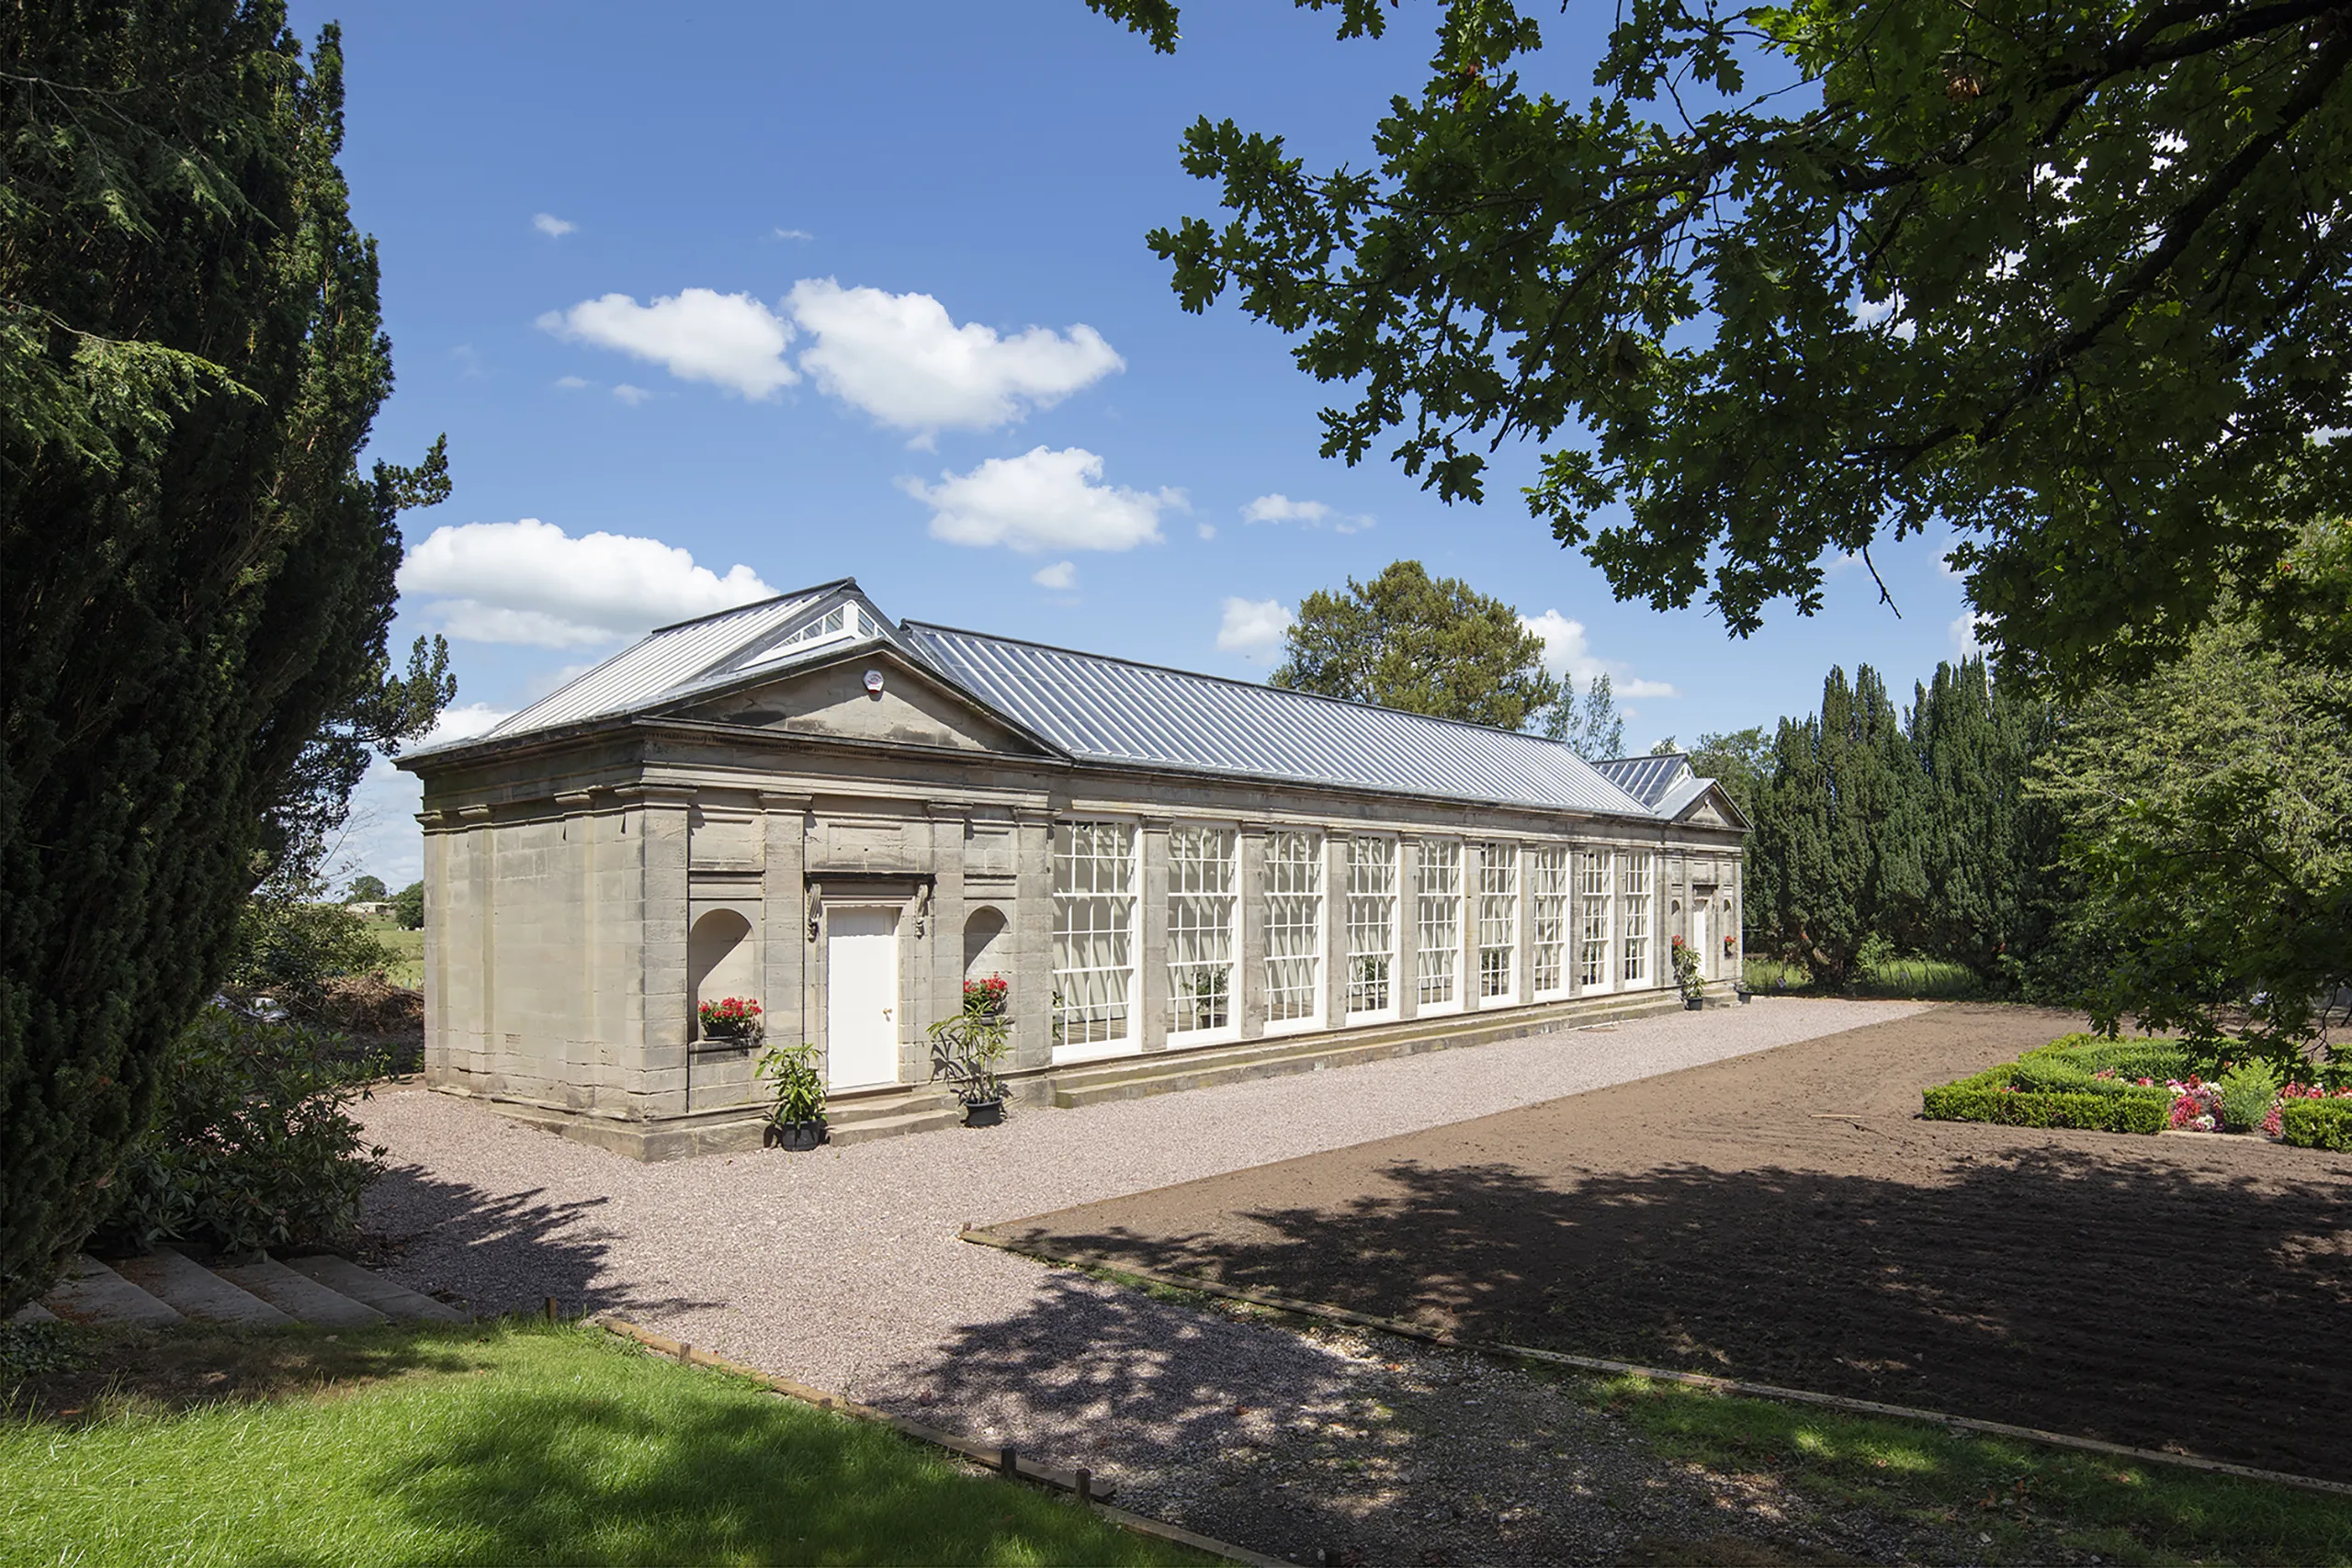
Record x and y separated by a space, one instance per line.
722 960
988 944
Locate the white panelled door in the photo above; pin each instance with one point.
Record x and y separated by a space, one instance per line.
1699 936
860 997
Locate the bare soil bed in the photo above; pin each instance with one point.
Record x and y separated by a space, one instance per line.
1788 1218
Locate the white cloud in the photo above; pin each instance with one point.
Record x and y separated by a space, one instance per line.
530 583
1566 651
464 722
632 396
1967 634
698 334
793 234
1253 627
1207 530
573 383
1062 574
904 360
554 228
1042 500
1280 508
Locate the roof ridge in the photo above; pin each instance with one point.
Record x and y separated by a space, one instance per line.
750 604
1234 681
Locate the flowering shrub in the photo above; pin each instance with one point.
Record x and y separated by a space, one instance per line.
2196 1106
732 1017
1686 971
984 995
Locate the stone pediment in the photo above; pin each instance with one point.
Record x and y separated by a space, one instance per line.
913 708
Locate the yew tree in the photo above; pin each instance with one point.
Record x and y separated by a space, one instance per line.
196 578
1790 281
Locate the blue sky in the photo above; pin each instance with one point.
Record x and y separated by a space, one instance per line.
808 292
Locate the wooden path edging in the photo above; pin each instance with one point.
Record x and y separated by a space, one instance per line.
1004 1460
1696 1379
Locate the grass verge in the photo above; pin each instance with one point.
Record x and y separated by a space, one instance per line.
513 1443
2027 1503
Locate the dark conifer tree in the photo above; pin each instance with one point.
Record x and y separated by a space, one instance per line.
1988 844
196 579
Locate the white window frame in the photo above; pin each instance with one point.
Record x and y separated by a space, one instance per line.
1371 907
1203 917
1433 912
1076 1041
1497 916
1638 938
1596 906
1551 907
1294 908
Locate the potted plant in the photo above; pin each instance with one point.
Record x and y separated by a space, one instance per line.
734 1017
965 1049
1687 976
797 1120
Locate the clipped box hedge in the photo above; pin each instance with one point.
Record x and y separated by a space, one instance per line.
2316 1123
1989 1097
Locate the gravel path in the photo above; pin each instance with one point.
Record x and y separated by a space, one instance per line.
842 1269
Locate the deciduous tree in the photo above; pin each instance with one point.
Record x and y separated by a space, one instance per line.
2069 279
1590 725
1424 644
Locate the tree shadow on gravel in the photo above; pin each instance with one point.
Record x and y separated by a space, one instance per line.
2110 1296
491 1252
1249 1431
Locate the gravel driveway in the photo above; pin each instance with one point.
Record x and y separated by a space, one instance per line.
842 1269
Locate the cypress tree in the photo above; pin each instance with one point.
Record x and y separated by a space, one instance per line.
1988 843
196 579
1838 852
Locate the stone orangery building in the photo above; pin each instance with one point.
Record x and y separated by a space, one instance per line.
1181 877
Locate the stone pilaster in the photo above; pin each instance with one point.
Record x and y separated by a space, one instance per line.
1335 929
1474 863
1404 975
944 921
658 1079
783 917
1032 940
1249 995
1151 936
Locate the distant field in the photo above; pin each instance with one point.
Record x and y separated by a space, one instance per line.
410 947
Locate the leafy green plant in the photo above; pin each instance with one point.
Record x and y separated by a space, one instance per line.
965 1051
1687 977
798 1087
2247 1091
288 947
253 1144
408 908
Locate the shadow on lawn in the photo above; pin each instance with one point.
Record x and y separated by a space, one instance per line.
2110 1296
492 1253
584 1477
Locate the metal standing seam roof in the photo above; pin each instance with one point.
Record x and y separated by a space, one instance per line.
1101 709
1108 710
1646 779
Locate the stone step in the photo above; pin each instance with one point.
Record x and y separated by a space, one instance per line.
193 1291
298 1296
394 1301
923 1119
94 1295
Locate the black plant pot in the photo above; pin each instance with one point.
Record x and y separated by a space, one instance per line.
984 1113
1745 996
1694 1003
797 1137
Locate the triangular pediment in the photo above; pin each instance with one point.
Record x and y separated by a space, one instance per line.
914 707
1713 808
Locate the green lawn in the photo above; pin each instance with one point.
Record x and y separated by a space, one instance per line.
509 1444
410 947
2029 1503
